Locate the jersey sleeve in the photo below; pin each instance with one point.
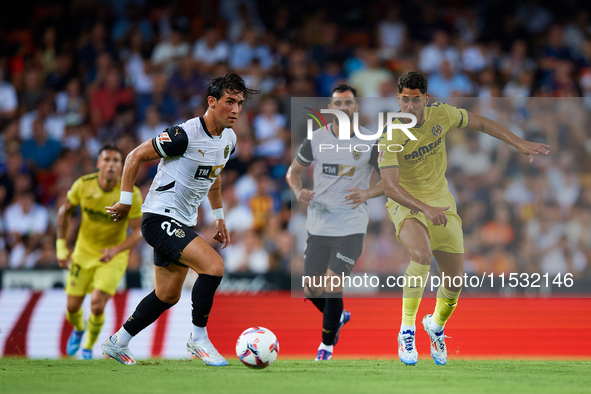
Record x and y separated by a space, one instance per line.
136 204
387 157
373 159
305 155
235 142
458 117
172 142
75 192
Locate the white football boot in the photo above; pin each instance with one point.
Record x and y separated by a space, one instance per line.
206 352
438 348
122 354
407 351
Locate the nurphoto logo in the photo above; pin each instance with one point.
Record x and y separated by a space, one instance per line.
345 127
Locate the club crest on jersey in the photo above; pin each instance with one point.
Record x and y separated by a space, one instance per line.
226 151
414 211
357 155
164 137
436 130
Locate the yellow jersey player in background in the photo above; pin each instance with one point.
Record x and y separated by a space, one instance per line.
99 259
422 208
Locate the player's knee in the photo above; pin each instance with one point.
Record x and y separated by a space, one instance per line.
97 309
420 256
169 297
72 308
215 269
312 292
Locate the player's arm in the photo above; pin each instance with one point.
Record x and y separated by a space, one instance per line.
393 190
303 159
64 214
171 143
143 153
222 235
293 178
129 243
490 127
359 196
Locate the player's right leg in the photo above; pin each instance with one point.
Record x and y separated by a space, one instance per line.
78 281
169 284
75 315
415 237
316 258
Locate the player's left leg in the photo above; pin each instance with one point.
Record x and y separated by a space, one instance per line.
450 266
169 283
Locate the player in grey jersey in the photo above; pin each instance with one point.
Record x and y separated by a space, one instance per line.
337 214
192 156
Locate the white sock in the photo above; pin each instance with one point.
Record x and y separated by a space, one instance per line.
122 337
325 347
199 334
436 328
407 328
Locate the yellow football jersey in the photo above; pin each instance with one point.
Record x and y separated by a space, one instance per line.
422 163
98 230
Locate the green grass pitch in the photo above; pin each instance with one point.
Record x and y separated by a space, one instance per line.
294 376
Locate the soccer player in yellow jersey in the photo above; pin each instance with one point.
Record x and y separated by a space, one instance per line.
422 208
100 256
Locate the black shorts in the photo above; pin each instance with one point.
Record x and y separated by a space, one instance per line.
337 253
167 236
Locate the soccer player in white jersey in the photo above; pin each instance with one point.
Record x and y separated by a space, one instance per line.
337 214
192 155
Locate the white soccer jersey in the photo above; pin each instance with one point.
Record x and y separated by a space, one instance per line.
191 161
336 171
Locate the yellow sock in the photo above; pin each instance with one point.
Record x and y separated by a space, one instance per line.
447 301
76 319
413 291
94 325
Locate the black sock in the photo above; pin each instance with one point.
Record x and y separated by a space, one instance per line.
202 297
332 317
146 313
319 301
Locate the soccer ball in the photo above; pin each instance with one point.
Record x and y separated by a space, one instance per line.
257 347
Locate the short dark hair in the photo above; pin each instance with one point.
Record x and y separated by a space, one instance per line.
229 83
109 146
413 80
342 88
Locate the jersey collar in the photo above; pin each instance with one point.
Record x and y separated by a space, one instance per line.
417 125
213 137
336 136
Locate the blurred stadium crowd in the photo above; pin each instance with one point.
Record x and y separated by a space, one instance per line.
76 74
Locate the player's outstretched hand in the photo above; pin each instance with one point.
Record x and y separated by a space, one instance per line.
305 196
436 215
118 211
356 198
533 148
221 234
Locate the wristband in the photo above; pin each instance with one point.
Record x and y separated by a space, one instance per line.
61 250
218 213
126 198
